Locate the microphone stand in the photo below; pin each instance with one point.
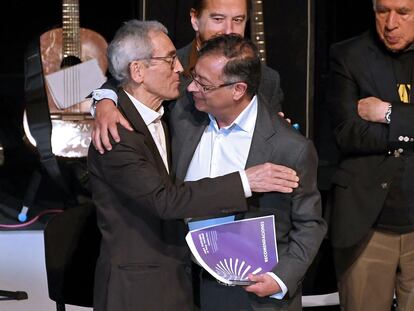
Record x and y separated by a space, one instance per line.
142 5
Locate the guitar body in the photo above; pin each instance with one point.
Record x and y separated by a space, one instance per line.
93 45
72 127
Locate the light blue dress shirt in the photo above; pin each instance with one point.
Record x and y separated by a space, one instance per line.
225 150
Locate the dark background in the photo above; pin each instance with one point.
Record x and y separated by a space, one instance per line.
286 41
286 27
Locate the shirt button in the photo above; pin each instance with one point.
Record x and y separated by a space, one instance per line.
384 185
400 138
406 138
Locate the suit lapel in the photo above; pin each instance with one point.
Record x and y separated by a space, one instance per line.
167 141
193 130
381 67
132 115
264 129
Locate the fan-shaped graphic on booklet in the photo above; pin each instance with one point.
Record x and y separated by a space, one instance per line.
231 251
235 269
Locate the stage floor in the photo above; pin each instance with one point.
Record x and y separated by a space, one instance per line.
22 268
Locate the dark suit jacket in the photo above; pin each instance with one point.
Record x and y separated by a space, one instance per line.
144 262
269 88
300 227
360 67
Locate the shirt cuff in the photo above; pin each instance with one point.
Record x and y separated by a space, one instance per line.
282 285
246 185
99 94
104 93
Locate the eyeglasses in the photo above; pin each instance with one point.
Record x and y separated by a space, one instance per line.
208 88
168 59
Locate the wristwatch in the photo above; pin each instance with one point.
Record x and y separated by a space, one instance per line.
92 110
387 116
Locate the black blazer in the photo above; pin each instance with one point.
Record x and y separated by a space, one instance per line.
144 260
361 67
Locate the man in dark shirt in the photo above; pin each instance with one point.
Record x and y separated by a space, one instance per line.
372 223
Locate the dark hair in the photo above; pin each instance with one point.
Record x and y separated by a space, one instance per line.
200 5
243 59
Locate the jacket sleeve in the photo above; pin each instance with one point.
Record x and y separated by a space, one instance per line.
353 134
136 182
308 228
401 128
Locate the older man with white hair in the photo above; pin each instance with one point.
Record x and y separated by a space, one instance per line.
371 103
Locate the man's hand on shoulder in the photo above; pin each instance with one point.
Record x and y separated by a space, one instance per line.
270 177
264 285
106 118
372 109
281 114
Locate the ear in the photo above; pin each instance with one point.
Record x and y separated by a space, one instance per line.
239 90
194 19
137 71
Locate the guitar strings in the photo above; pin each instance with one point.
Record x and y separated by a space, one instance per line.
72 47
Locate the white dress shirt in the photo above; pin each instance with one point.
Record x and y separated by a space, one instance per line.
225 150
152 120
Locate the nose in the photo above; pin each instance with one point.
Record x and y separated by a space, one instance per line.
392 21
192 87
178 68
228 28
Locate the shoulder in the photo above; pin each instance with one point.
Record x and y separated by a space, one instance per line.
290 137
355 45
285 135
269 73
183 53
293 149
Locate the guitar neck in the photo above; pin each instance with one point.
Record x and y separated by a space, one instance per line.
257 28
70 28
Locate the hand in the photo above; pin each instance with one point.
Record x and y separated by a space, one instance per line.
265 285
283 116
372 109
106 118
270 177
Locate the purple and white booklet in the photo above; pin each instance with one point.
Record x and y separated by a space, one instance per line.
231 251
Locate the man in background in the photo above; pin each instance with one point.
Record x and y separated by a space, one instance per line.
372 217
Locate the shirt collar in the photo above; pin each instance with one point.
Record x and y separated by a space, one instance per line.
245 121
148 115
410 48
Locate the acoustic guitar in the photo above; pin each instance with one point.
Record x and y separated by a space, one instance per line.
63 48
257 32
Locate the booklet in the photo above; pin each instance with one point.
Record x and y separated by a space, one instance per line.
231 251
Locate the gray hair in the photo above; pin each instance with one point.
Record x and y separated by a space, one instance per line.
131 42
